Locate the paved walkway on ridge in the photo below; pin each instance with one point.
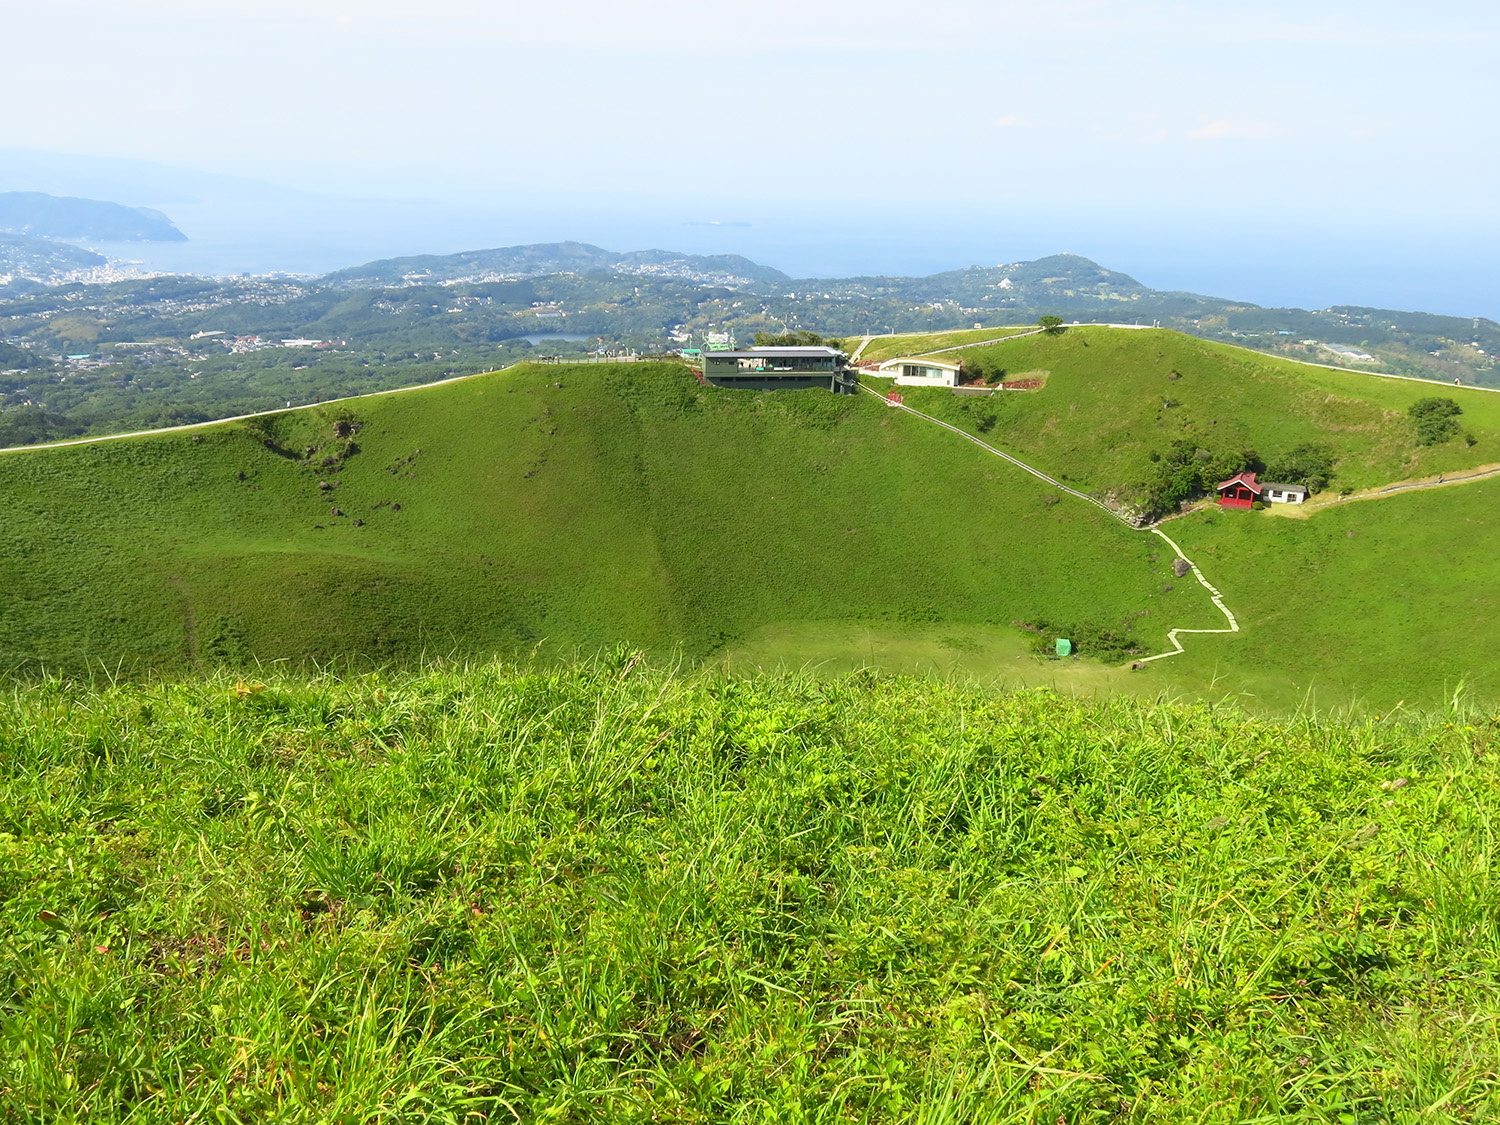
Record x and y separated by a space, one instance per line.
867 340
242 417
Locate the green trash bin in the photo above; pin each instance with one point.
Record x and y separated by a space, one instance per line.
1064 647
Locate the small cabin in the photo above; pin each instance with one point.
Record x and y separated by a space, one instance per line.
1283 493
919 372
1239 491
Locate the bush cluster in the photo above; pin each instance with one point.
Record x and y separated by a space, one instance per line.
800 338
1100 642
1309 464
1434 419
1186 471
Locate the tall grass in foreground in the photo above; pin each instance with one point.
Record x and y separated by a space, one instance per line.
613 893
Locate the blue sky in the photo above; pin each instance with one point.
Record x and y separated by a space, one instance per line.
1198 145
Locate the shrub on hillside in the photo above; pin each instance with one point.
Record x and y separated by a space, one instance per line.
1308 464
1112 646
1434 419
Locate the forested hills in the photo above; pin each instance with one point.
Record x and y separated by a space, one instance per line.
160 350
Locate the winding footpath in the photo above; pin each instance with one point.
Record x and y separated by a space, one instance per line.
1214 595
1172 634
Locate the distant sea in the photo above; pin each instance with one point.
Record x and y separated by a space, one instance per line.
1307 263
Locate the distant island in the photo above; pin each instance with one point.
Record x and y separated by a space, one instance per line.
40 215
510 263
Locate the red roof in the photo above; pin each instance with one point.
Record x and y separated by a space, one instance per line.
1246 479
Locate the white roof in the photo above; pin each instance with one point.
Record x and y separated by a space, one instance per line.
918 361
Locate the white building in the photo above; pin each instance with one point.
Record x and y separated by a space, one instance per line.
909 372
1283 493
1353 355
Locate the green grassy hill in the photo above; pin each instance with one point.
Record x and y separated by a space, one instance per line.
1374 601
1114 396
570 507
882 348
1386 601
607 894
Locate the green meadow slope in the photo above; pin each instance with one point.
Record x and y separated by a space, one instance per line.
1385 601
567 507
606 894
1115 396
881 348
572 508
1379 602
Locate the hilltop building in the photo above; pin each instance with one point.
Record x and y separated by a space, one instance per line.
1353 355
780 368
909 372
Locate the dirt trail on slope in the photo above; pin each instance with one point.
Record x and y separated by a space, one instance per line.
1437 480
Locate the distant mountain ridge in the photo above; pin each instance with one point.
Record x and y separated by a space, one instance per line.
1069 279
510 263
41 215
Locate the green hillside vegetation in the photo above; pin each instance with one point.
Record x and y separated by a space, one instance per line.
607 894
566 507
882 348
1382 600
1116 401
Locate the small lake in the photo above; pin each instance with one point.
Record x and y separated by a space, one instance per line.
553 337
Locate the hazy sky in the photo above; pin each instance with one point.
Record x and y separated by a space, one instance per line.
1256 122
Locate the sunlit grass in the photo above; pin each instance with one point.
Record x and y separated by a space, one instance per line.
611 892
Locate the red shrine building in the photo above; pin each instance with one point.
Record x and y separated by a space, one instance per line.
1239 491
